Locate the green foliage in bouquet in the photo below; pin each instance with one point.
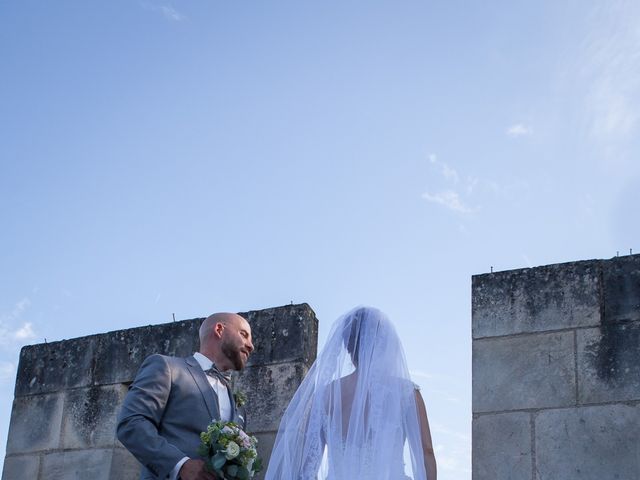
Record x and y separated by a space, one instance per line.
229 452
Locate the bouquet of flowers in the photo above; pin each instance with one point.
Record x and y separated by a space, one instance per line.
229 452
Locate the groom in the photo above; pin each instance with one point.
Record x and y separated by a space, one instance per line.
173 399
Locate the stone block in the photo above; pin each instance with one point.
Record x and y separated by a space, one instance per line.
35 423
269 389
536 299
590 443
609 363
124 466
119 354
22 466
528 371
502 447
265 446
90 416
621 281
77 465
283 334
55 366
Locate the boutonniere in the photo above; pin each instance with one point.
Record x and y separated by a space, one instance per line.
240 398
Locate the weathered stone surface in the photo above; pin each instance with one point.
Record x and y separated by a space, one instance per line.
35 423
23 466
265 446
511 459
124 466
536 299
596 307
269 389
120 354
283 334
530 371
591 443
77 465
90 416
621 279
84 381
101 359
609 363
52 367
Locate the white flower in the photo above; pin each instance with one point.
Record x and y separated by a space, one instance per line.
232 451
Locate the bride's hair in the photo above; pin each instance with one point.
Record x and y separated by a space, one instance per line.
360 322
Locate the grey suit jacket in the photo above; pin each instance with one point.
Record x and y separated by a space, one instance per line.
169 403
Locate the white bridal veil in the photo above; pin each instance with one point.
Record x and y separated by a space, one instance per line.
355 411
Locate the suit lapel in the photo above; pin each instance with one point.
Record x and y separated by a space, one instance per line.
210 397
233 403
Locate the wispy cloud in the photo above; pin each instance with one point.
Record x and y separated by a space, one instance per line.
10 334
608 64
465 195
421 374
25 332
449 199
7 371
444 430
436 385
167 11
519 130
449 173
172 14
457 460
18 309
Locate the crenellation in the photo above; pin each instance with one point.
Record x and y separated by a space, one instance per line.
560 343
536 299
68 393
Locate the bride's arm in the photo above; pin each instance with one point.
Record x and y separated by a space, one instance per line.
425 434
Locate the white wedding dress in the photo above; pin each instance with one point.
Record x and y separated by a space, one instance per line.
354 412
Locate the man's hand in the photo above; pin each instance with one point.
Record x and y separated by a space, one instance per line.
195 470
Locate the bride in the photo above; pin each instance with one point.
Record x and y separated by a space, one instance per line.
356 415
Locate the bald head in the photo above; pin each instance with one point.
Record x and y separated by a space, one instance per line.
207 327
225 338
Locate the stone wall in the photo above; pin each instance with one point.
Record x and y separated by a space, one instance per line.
68 393
556 372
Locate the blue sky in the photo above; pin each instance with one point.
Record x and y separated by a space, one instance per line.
194 156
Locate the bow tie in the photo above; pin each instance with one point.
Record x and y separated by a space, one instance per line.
224 377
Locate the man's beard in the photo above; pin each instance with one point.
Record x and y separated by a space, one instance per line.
233 354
